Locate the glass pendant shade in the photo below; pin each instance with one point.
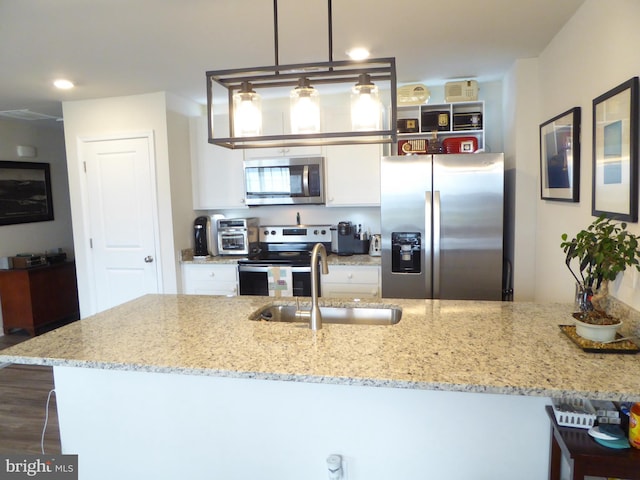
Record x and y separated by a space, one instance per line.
366 110
305 108
247 112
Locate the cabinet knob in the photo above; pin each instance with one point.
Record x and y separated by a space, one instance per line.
148 259
350 276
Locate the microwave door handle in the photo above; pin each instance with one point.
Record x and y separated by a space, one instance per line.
305 180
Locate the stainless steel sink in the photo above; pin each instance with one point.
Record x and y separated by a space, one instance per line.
382 315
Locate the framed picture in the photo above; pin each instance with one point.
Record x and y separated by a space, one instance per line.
560 157
615 153
25 192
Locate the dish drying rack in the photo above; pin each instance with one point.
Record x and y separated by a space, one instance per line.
574 412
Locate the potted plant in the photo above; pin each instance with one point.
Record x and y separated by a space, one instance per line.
603 250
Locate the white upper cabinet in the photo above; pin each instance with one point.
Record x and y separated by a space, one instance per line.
277 122
217 173
353 175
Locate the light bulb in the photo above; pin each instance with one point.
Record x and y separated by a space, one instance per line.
305 108
366 110
247 112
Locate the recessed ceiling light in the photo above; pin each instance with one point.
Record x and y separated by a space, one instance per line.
358 53
63 84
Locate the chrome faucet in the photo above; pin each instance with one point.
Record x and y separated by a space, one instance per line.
315 318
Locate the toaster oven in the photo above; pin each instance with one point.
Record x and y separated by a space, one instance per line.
238 236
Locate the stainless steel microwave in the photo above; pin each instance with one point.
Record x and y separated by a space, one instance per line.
284 181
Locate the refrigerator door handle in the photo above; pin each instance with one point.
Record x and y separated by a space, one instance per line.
427 266
436 244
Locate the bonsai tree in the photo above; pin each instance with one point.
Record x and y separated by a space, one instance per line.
603 250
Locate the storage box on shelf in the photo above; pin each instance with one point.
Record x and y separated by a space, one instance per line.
447 120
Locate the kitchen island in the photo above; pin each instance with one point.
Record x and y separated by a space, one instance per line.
175 386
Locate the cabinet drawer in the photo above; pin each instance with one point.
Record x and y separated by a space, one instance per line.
198 279
222 273
212 288
351 275
349 290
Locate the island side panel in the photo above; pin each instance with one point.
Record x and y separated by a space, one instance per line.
132 425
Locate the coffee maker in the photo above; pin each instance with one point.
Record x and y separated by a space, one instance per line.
346 240
201 229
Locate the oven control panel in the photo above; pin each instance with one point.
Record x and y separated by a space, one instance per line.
295 233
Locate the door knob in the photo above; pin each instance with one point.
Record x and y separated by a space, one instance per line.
148 259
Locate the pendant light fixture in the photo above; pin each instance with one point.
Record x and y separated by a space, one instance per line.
305 108
247 112
235 106
366 110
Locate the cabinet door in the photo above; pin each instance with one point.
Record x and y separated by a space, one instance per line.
275 123
353 175
351 281
206 279
217 174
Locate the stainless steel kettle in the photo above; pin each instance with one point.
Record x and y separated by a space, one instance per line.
375 245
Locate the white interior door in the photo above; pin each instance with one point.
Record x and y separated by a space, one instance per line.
121 210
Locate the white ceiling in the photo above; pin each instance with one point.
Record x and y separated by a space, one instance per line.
126 47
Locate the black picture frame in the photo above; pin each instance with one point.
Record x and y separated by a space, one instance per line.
615 153
560 157
25 192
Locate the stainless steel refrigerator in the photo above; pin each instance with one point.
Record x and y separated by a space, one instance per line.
442 226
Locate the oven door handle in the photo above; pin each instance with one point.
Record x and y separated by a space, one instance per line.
263 268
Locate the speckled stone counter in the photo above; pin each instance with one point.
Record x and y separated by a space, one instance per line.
495 347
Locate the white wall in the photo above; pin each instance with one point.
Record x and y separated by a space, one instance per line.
38 237
49 142
594 52
521 96
178 113
113 116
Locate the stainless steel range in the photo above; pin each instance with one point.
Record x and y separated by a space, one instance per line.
284 250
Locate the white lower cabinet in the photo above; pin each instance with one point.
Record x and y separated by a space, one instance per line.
207 279
351 281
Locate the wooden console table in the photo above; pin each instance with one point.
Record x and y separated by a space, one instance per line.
586 456
36 297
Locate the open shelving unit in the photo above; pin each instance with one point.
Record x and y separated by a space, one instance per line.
448 120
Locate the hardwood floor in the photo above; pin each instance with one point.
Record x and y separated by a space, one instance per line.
23 397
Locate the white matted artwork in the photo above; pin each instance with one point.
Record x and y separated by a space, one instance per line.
615 153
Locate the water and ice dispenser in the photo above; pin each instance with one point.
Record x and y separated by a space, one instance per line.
406 252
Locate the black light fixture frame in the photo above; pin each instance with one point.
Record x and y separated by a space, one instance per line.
380 70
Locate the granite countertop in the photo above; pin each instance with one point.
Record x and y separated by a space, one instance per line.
468 346
332 259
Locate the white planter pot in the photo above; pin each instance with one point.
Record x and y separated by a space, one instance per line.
597 333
